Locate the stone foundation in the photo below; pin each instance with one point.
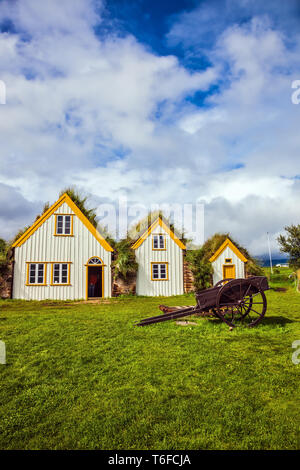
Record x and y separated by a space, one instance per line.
124 286
6 280
188 278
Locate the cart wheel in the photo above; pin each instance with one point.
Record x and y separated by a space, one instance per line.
241 300
221 283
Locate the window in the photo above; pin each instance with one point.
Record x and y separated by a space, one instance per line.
228 260
36 274
64 225
94 260
60 274
158 242
159 271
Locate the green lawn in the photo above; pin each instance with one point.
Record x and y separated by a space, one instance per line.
83 377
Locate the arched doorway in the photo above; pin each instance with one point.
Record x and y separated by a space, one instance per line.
94 278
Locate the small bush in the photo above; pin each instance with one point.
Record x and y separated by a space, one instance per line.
125 264
201 268
280 278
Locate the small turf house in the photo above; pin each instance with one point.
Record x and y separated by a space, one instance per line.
159 254
62 256
228 262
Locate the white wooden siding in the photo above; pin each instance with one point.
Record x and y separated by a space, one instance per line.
220 261
173 255
43 246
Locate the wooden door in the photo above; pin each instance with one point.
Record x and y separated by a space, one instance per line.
228 271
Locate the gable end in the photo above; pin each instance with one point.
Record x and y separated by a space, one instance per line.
64 198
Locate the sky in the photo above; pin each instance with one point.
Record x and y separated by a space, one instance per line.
179 101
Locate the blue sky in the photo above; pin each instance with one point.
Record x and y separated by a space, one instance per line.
161 102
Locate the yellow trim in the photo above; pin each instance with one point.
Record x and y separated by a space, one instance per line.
63 234
69 273
40 262
233 248
64 198
146 234
87 278
167 270
158 235
27 273
228 266
95 265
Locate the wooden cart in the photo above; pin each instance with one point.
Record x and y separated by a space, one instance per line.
234 301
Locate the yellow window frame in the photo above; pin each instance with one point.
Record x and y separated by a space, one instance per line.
167 270
159 235
28 263
71 234
69 273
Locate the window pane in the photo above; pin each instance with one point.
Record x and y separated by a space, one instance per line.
64 273
40 274
163 271
32 268
67 224
155 241
161 241
94 261
155 271
56 274
32 274
59 224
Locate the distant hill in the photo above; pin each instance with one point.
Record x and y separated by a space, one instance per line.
276 259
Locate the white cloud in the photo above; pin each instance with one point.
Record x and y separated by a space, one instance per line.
114 118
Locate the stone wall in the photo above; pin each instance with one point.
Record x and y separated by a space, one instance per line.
188 278
124 286
128 286
6 277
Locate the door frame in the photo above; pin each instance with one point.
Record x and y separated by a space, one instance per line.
88 265
229 266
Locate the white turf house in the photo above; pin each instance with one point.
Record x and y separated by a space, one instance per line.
62 256
159 254
228 262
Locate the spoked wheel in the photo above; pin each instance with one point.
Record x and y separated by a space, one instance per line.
223 282
241 300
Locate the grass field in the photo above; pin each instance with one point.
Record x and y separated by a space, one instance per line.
81 376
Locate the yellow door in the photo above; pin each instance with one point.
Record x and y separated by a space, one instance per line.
228 271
